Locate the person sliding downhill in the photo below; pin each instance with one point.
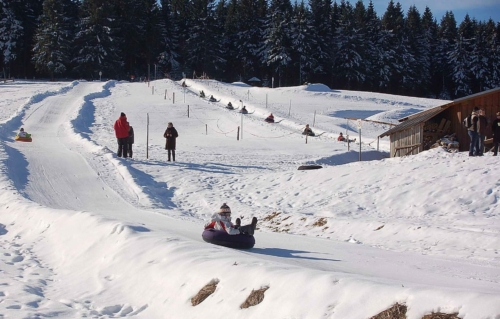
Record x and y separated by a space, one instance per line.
222 221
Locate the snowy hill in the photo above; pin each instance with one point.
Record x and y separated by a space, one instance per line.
86 234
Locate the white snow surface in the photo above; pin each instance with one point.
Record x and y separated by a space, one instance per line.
84 233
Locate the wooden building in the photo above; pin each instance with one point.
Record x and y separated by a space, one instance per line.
418 132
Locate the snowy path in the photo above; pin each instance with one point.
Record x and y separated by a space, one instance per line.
60 177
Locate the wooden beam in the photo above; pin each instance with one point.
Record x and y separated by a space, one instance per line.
378 122
408 146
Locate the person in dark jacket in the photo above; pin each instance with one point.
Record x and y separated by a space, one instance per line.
308 131
121 131
244 110
495 129
474 133
130 140
170 134
482 124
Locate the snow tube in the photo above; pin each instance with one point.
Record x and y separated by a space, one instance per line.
308 167
221 238
23 139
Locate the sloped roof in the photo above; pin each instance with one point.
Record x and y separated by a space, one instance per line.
423 116
417 118
254 79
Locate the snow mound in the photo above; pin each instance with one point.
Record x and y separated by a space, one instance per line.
242 84
318 87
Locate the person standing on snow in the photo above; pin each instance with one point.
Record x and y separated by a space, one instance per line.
222 221
474 133
121 131
495 129
130 140
171 135
482 125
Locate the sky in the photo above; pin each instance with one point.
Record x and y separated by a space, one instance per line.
87 234
481 10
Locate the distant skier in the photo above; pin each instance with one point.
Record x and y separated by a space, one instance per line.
230 106
202 94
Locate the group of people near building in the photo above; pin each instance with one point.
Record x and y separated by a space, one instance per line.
477 132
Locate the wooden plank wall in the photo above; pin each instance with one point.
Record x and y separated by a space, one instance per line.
412 136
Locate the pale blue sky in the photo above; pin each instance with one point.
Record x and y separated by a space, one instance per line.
481 10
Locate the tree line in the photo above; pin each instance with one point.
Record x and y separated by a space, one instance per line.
343 45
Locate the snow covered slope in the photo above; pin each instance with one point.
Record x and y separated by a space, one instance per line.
86 234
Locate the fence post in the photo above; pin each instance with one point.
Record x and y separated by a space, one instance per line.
188 110
378 140
206 129
290 108
173 98
360 144
266 100
314 120
238 134
147 137
152 90
306 137
241 125
165 94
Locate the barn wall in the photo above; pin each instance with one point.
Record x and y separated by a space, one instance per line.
412 136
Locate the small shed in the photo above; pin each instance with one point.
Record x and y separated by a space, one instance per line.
254 81
420 131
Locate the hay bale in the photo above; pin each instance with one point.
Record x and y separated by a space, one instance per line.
440 315
255 298
397 311
204 292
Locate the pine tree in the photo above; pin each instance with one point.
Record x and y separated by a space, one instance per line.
249 41
96 41
448 34
10 33
347 61
52 39
303 42
168 58
401 72
203 49
277 40
433 85
419 50
460 59
321 11
379 54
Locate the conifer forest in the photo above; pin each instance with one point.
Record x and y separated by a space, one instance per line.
345 45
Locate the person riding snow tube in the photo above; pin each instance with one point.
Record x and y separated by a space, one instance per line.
22 136
270 118
244 110
308 131
221 231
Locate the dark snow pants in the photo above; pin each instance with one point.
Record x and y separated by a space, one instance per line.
122 147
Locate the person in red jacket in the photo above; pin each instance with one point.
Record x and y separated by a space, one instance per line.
121 131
